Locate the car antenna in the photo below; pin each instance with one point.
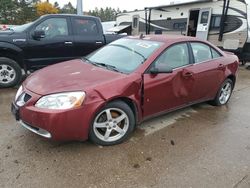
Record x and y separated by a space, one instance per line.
142 36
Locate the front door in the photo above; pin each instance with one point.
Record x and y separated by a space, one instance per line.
56 46
203 23
167 91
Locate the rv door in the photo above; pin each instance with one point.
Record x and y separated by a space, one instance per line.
135 25
203 23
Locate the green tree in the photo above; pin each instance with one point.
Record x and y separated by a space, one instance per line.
17 11
68 9
107 14
7 11
26 12
56 5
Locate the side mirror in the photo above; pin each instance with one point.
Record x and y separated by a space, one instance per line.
166 70
38 34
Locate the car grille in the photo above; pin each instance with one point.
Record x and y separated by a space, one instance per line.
22 99
26 97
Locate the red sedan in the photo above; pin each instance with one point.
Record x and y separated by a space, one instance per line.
105 95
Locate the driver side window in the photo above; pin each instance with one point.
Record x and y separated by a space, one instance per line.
54 27
174 57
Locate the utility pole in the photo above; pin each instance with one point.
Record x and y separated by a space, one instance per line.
79 7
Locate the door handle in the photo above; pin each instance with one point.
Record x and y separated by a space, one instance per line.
221 66
68 42
98 42
188 74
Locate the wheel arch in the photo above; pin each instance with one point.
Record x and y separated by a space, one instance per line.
12 52
233 78
131 103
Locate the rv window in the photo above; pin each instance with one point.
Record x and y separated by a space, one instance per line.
135 22
179 26
201 52
215 22
204 17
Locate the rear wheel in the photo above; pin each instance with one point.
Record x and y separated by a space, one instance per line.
224 93
10 72
112 124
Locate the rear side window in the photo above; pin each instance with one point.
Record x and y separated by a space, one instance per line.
84 26
174 57
201 52
215 54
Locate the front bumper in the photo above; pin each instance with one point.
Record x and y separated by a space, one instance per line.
36 130
60 125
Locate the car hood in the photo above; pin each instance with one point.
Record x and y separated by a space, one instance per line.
6 33
74 75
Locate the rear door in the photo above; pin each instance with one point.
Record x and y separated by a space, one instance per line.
167 91
56 46
88 35
207 72
203 23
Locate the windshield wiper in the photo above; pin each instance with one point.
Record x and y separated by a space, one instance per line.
110 67
107 66
86 59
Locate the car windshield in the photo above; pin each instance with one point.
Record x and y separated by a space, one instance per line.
124 55
21 28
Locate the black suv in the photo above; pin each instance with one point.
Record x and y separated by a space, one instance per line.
48 40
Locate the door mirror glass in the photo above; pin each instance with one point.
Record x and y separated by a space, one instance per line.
158 70
38 34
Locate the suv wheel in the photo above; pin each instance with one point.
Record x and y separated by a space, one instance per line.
10 72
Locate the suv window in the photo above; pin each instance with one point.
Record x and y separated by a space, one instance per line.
201 52
174 57
54 27
84 26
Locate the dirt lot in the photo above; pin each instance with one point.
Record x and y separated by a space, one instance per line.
200 146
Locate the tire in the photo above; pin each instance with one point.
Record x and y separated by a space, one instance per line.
10 73
224 93
107 129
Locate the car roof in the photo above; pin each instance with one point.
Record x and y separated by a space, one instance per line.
68 15
165 38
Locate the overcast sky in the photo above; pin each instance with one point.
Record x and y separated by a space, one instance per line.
121 4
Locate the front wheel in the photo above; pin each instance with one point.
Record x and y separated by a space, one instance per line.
224 93
112 124
10 73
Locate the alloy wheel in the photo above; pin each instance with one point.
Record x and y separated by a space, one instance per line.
7 74
111 124
225 93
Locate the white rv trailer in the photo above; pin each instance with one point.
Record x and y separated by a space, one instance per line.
222 22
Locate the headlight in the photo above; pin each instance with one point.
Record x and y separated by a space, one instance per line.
61 101
19 92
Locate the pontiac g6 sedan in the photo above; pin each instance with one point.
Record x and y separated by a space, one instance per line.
106 94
